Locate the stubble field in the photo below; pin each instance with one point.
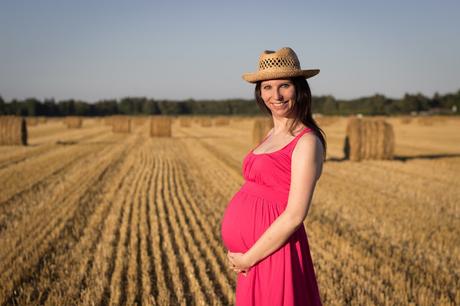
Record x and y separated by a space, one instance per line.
92 217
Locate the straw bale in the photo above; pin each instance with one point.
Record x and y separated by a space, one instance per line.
73 122
160 126
13 130
369 139
406 120
121 124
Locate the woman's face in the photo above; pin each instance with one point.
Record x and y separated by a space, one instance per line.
278 95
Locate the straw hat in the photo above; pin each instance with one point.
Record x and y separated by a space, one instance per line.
278 64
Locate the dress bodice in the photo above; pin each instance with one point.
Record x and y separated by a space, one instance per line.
271 169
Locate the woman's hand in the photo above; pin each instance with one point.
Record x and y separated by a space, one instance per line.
239 262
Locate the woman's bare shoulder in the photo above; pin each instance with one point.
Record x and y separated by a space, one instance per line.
308 154
308 144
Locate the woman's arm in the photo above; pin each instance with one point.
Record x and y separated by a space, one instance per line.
306 167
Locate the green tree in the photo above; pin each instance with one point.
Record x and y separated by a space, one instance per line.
67 107
330 106
50 108
32 106
150 107
81 108
2 106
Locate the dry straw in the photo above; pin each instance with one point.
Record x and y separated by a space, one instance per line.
261 126
32 121
431 120
13 130
139 120
121 124
221 121
206 121
73 122
108 121
185 122
238 118
406 120
369 139
160 126
325 120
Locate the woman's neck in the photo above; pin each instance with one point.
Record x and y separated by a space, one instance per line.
281 126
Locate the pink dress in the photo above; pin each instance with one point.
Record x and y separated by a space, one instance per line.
286 277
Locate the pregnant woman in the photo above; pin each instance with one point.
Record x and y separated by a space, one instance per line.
262 227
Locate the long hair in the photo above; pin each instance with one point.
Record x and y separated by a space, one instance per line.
300 110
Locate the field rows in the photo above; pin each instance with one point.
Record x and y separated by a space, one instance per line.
116 219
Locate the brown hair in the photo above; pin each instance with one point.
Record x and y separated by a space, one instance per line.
300 110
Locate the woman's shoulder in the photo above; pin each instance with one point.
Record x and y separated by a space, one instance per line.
308 153
308 144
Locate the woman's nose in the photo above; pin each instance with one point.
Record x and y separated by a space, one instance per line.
277 95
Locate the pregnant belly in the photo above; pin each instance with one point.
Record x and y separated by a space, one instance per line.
231 224
245 219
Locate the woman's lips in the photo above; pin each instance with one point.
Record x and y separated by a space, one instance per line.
279 103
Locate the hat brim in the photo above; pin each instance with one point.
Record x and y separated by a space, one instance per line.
270 75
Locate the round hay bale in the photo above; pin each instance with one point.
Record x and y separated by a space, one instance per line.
368 139
406 120
160 126
13 130
260 128
73 122
121 124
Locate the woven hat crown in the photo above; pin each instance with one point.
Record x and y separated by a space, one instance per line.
284 58
278 64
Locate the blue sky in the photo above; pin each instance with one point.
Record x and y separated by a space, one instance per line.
92 50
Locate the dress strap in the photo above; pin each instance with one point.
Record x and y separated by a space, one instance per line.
293 142
285 147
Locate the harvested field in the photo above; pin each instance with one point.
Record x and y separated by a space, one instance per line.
88 216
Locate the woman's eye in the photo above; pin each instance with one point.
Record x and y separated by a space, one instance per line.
266 87
286 85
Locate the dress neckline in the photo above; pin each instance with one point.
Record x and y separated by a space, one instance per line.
268 153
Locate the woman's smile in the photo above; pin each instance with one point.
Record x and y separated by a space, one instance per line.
279 105
278 93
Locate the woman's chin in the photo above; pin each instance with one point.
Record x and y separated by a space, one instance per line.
279 112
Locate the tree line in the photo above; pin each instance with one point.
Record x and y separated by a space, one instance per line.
327 105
